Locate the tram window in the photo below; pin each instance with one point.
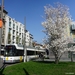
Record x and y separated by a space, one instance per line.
20 53
30 52
10 50
14 50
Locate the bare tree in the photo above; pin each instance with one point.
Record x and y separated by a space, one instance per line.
57 19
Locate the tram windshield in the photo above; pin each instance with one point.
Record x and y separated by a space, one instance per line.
9 51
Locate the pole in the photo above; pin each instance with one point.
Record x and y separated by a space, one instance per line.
25 51
1 19
1 61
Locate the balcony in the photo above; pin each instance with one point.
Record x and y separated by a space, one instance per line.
13 34
13 41
20 37
74 39
4 19
10 27
14 29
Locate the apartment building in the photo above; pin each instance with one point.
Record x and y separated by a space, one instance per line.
29 38
14 32
4 27
71 33
72 30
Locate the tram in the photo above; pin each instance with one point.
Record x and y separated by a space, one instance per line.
15 53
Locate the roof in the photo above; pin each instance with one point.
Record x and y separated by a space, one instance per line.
20 47
16 45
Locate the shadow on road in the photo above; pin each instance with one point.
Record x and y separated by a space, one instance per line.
25 71
2 69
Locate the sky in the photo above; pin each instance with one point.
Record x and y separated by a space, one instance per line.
33 10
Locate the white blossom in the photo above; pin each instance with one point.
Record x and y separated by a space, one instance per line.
56 23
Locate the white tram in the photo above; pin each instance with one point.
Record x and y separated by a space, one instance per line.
15 53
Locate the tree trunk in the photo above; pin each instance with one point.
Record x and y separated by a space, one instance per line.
56 59
71 56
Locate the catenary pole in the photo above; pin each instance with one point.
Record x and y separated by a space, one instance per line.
2 5
25 51
1 24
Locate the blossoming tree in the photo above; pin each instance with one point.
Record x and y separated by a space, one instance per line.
57 19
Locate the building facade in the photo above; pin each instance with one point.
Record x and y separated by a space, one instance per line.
29 38
72 30
14 32
4 27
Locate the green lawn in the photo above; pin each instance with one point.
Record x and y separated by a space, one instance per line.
40 68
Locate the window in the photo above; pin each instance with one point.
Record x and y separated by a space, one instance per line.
22 35
9 24
16 27
3 40
73 27
0 15
13 26
20 29
13 37
9 30
13 42
3 31
74 39
9 19
13 32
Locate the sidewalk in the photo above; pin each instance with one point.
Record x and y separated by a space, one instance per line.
51 59
1 62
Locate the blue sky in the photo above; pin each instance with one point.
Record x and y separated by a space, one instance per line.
33 10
